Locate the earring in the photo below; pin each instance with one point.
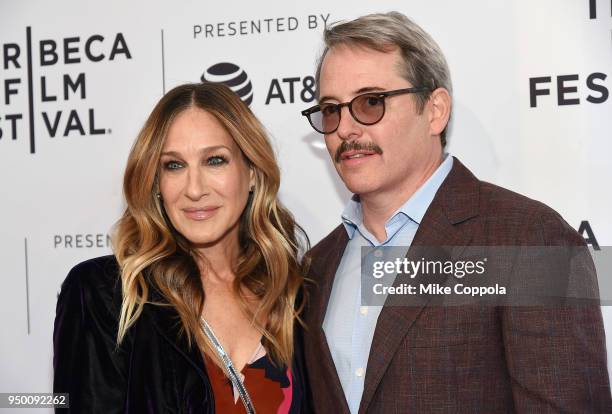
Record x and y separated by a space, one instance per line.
158 195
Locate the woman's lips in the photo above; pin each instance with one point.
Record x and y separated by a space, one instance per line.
200 213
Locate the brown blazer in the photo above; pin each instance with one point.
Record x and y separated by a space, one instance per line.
467 359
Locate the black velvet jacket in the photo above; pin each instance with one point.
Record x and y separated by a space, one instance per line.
152 371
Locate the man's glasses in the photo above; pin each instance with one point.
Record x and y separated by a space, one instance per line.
367 109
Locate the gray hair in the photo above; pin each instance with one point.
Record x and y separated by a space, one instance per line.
424 64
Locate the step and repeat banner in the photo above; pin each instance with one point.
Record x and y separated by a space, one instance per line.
532 112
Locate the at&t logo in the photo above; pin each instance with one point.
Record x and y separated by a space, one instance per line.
282 90
232 76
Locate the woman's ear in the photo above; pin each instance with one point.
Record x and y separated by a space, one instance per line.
251 179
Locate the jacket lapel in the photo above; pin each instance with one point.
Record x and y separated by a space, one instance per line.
323 270
167 323
325 266
455 202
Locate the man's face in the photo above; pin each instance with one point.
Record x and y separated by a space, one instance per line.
399 151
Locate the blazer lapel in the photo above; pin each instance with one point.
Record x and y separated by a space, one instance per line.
323 269
455 202
326 266
167 323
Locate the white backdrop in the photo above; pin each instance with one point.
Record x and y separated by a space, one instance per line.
62 160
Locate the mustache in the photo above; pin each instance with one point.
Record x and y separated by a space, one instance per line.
356 146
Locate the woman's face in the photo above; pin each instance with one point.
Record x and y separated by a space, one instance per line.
204 179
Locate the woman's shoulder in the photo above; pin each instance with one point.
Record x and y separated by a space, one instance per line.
94 273
95 282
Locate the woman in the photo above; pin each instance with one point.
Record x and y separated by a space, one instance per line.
195 311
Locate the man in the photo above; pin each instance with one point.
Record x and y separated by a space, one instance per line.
384 94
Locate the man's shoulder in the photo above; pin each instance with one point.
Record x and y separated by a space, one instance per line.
497 199
462 188
326 251
501 207
336 239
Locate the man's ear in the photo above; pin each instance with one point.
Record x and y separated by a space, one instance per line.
439 104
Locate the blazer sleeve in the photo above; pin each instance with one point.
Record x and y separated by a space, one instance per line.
556 354
88 365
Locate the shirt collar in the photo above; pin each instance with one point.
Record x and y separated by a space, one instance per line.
414 208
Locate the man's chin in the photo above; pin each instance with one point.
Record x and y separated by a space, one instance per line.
359 187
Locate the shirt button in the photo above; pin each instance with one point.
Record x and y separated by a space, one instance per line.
360 372
378 253
363 310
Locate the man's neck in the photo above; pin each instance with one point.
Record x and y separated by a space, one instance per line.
378 207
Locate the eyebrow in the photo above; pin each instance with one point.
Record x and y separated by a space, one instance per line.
359 91
204 150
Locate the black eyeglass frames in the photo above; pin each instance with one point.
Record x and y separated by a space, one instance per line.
367 109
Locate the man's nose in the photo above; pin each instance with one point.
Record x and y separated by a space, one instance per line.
348 128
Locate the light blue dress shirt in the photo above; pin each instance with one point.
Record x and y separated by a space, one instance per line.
349 327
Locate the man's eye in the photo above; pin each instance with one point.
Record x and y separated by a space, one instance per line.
216 160
172 165
328 110
373 100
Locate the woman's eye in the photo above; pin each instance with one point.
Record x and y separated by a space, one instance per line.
216 160
172 165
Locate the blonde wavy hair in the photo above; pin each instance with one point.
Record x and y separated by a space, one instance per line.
151 253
